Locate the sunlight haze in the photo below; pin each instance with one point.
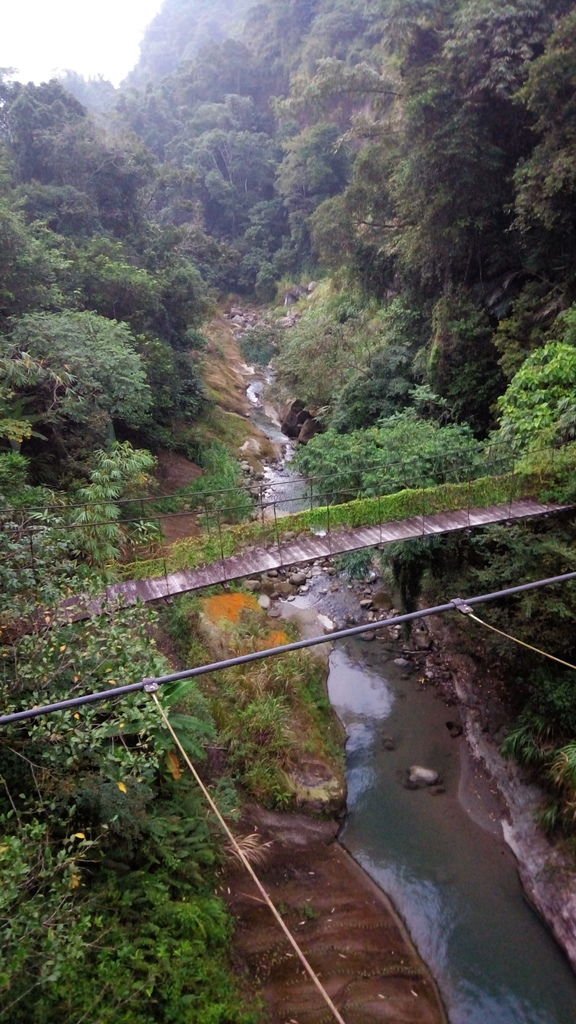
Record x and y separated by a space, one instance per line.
40 39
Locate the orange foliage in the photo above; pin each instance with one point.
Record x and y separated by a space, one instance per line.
229 606
276 639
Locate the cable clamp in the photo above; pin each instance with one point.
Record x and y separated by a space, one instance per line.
461 606
150 685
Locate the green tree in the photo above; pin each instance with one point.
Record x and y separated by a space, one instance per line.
539 405
75 372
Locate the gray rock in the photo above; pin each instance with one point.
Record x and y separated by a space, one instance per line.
282 589
366 602
298 578
367 637
253 585
402 662
264 601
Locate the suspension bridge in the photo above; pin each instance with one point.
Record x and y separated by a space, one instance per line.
329 526
302 550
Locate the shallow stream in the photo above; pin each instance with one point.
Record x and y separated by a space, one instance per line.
440 857
453 881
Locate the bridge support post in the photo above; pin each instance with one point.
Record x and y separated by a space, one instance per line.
32 557
277 532
468 500
206 516
221 543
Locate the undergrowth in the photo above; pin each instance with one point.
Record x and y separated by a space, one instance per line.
268 714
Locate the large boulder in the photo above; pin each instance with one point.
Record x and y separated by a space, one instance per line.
310 427
293 418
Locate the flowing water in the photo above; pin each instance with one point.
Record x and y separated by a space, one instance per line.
453 881
283 487
439 857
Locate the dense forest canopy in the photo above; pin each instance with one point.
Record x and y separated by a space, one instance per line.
417 159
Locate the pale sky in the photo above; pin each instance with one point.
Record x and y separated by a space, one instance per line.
41 37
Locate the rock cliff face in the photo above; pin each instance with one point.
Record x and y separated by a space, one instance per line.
546 870
298 423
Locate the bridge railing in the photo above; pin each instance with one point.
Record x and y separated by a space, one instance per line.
27 530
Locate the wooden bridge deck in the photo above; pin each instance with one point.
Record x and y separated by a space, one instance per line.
304 549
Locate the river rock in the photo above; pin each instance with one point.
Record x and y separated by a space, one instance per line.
419 776
367 637
402 662
264 601
366 602
454 728
382 601
293 418
388 743
310 427
253 585
298 578
283 589
326 623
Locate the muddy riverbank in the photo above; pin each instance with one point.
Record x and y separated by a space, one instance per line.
345 925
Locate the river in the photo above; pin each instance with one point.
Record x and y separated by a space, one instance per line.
441 858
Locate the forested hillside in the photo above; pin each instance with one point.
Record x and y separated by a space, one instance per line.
417 159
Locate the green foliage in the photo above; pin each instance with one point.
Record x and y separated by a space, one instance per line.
470 384
106 856
75 368
539 406
270 716
260 344
404 450
28 266
355 565
118 473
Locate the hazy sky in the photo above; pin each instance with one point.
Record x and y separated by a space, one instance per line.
41 37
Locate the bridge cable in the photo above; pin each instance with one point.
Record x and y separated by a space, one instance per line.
298 645
151 688
467 611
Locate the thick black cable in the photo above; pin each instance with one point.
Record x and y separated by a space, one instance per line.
244 659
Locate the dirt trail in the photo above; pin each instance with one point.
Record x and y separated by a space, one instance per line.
345 925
